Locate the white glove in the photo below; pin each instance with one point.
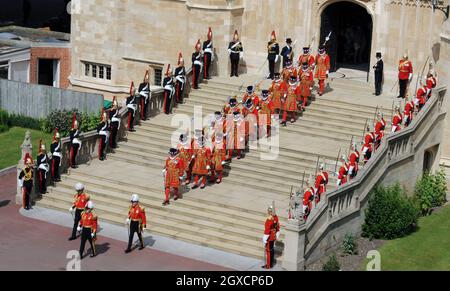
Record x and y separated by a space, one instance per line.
193 156
328 72
241 139
71 209
410 76
278 234
310 88
229 51
79 228
127 221
277 57
223 163
241 55
20 182
92 234
327 38
265 238
163 171
143 229
208 167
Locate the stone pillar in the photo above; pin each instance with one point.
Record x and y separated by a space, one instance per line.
26 147
294 245
444 79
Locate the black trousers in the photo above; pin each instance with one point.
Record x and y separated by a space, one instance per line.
378 81
167 101
74 152
102 149
271 68
207 65
145 109
76 221
113 135
403 84
42 181
234 58
134 227
55 168
196 76
86 235
179 91
27 187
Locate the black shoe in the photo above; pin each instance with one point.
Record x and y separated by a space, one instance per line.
141 248
284 123
175 198
195 186
93 255
166 203
72 238
127 251
264 267
399 97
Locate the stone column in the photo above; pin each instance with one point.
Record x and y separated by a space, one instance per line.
294 245
26 147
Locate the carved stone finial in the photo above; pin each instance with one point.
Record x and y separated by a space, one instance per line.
27 146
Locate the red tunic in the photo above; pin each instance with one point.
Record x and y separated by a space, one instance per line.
343 171
219 154
321 182
89 220
322 66
185 153
174 170
236 134
137 213
397 120
404 69
271 227
278 90
409 110
306 82
266 109
292 96
202 160
307 59
288 72
354 160
369 137
228 110
380 126
80 201
254 97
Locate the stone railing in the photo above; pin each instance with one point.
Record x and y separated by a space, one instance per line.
90 141
399 159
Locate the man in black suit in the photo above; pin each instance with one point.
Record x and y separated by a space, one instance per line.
378 67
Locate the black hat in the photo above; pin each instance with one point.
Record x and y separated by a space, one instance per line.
217 113
378 55
305 64
288 40
248 103
293 78
232 102
183 137
306 48
173 151
264 94
277 75
321 47
250 89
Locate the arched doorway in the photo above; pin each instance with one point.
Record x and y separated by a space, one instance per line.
350 42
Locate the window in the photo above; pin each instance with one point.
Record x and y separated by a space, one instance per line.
4 67
98 71
158 76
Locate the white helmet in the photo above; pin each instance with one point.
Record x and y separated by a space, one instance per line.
134 198
79 187
90 205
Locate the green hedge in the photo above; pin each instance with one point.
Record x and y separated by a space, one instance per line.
9 120
62 119
390 214
430 191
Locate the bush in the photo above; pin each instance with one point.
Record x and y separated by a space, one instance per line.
3 128
62 119
4 117
390 214
8 120
430 191
349 245
332 264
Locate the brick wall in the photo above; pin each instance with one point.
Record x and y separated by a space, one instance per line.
61 54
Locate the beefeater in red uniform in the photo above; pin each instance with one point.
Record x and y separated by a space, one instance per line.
271 233
236 135
232 106
202 163
322 68
289 71
250 114
278 92
290 102
266 109
173 173
408 113
219 124
250 94
306 57
397 120
185 153
305 76
136 221
353 162
219 155
321 182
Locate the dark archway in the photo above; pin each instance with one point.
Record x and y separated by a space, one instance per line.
351 39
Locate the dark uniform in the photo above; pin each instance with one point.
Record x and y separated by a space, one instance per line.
144 94
55 149
196 65
287 53
103 132
180 79
132 107
169 91
273 50
378 68
75 142
235 49
207 55
43 168
26 182
115 124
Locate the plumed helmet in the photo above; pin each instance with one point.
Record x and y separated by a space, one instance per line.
27 159
90 205
134 198
210 33
180 59
132 88
236 35
79 187
146 76
56 134
273 35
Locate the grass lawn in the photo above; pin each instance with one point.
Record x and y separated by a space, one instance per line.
426 249
11 140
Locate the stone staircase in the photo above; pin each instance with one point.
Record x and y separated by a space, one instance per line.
229 216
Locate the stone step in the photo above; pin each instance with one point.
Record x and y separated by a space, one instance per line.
193 237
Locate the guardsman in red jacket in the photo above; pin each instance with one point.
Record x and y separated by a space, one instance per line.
353 162
266 109
306 57
278 92
321 182
219 155
271 234
88 227
289 71
379 128
369 137
185 153
421 97
202 163
305 76
408 113
343 172
322 68
26 181
236 135
136 221
405 74
366 150
431 83
290 102
397 120
79 204
173 173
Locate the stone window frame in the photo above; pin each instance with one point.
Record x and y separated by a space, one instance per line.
96 70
